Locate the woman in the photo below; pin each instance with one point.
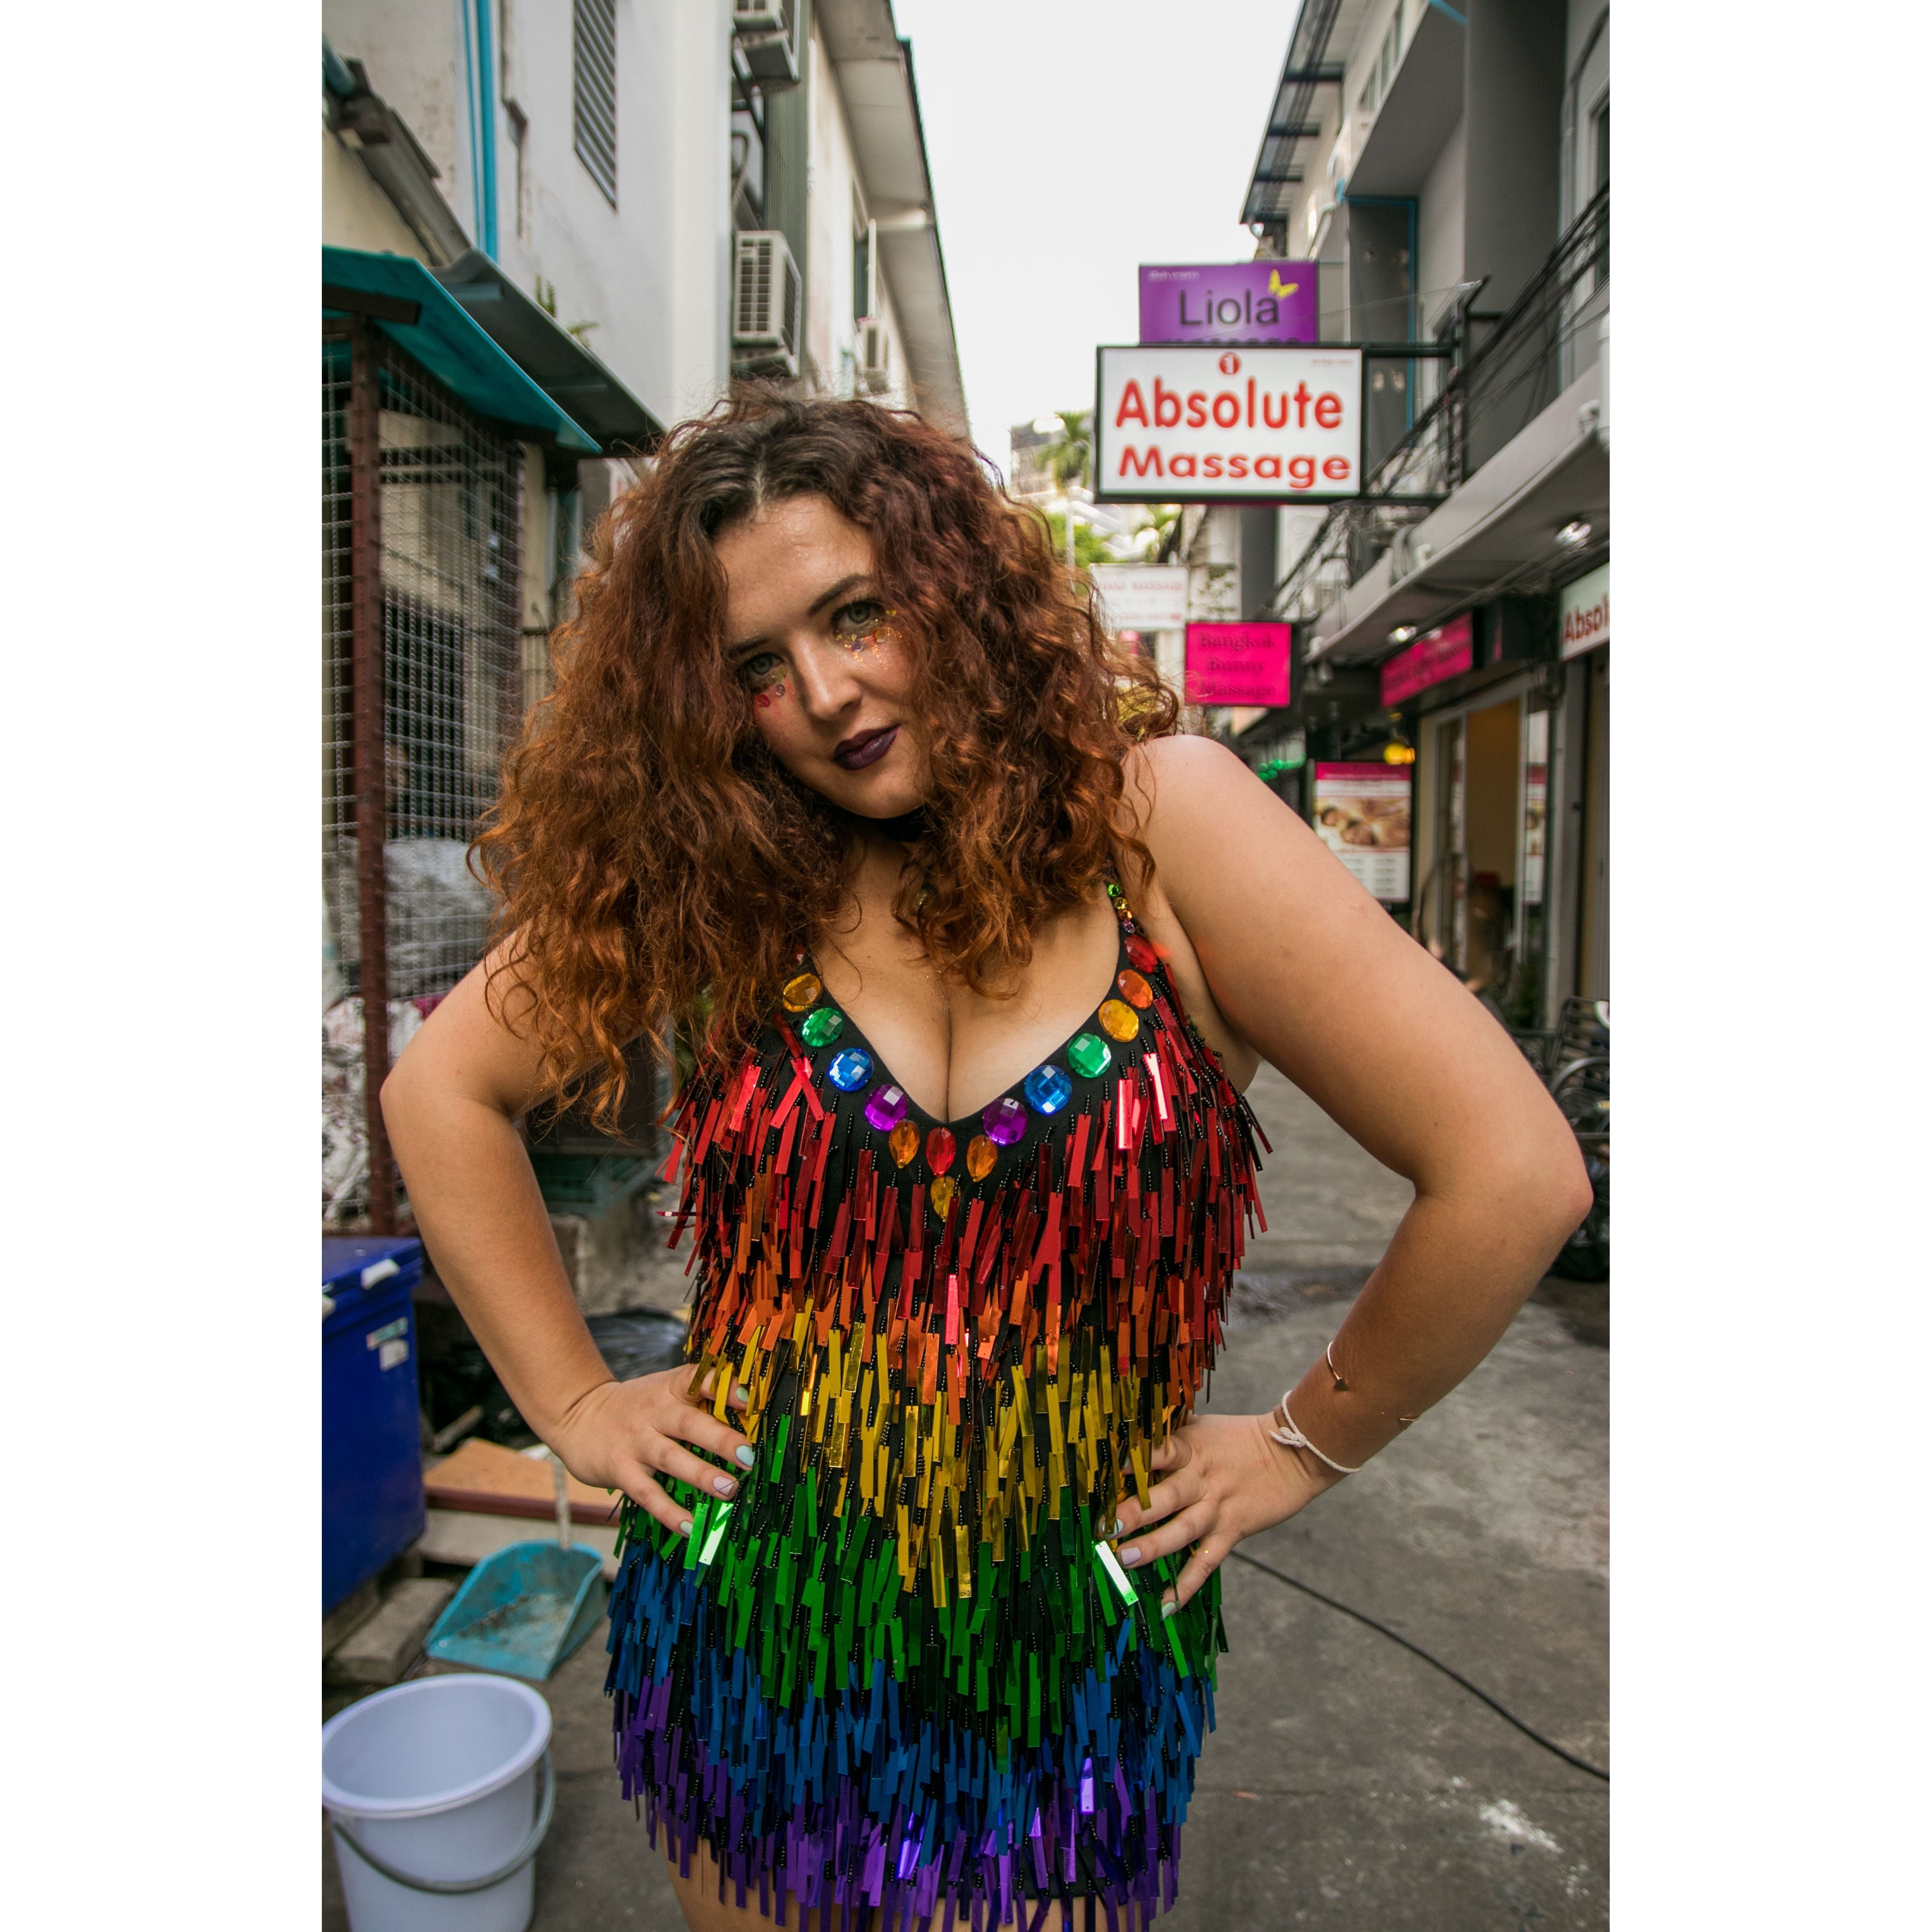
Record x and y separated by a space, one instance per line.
918 1614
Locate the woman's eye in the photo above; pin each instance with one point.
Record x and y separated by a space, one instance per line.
860 622
760 667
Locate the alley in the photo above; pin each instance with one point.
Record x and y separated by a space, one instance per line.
1348 1785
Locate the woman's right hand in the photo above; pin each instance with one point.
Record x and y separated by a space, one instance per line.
625 1435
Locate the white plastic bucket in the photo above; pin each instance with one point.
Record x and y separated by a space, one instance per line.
435 1780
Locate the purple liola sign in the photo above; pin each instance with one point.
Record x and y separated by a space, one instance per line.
1230 301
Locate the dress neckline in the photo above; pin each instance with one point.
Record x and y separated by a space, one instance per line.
883 1077
879 1077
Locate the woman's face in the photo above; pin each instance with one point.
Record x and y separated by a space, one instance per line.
825 673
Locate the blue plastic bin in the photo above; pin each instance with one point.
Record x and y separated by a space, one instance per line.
372 1486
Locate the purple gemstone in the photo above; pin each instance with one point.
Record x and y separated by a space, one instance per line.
886 1109
1004 1121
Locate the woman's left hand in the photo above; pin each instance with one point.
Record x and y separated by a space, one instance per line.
1222 1478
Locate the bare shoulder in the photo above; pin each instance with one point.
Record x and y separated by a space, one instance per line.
1184 794
1177 790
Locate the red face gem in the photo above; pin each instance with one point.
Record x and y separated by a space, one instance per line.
1143 955
939 1150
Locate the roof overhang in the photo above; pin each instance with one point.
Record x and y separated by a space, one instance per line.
873 67
1417 116
559 365
398 296
1499 526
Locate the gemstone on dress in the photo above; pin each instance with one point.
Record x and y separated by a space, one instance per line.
1142 956
1134 990
1120 1020
849 1070
942 1191
1088 1055
939 1149
821 1026
980 1155
887 1108
1004 1121
801 993
1048 1089
904 1143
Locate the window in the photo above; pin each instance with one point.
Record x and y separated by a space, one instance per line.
862 271
1388 57
1599 129
593 107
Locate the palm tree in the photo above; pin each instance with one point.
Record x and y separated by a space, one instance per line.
1068 458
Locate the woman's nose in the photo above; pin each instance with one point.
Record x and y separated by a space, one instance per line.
826 684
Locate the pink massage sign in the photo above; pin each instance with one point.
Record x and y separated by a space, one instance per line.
1176 423
1238 663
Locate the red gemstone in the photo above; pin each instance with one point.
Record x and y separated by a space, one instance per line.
1143 955
939 1150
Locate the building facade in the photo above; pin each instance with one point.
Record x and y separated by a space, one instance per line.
550 232
1449 169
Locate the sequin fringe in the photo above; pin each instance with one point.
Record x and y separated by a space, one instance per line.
902 1670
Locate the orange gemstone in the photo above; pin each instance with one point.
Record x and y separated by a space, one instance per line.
1122 1021
980 1155
904 1141
939 1149
1134 990
801 993
942 1191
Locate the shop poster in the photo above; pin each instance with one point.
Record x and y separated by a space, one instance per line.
1362 813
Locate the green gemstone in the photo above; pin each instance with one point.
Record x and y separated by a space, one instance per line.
821 1026
1089 1055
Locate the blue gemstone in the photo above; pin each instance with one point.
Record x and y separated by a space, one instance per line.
1047 1089
849 1070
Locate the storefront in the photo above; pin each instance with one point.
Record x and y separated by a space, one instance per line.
1583 649
1476 699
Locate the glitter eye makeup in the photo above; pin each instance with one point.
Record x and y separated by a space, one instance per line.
862 625
768 695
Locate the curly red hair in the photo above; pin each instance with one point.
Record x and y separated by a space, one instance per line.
657 867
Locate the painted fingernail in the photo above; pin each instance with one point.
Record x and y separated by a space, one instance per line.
741 1394
746 1454
725 1486
684 1528
1133 1555
1168 1608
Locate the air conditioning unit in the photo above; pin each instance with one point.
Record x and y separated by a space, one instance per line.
766 296
875 358
767 37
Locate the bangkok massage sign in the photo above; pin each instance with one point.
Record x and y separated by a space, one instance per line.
1186 423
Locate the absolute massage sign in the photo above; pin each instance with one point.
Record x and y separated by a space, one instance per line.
1177 423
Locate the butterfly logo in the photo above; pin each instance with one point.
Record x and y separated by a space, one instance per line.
1276 286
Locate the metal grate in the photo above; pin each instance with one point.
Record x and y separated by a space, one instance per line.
593 113
453 696
453 667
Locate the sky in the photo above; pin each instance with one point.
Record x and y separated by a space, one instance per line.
1068 143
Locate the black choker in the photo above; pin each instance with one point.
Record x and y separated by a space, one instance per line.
908 828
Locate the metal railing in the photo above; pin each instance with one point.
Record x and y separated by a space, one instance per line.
1503 369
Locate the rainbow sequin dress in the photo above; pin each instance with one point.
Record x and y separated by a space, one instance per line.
901 1670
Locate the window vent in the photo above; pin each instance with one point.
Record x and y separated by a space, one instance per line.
593 112
765 306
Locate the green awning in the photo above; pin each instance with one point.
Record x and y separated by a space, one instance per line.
398 295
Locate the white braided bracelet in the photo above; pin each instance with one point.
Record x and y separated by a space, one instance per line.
1291 1438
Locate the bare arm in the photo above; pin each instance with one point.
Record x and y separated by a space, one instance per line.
1310 971
451 1105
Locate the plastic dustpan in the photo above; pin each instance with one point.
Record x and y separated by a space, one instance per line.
524 1610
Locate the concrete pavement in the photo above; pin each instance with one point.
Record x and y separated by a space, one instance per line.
1348 1785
